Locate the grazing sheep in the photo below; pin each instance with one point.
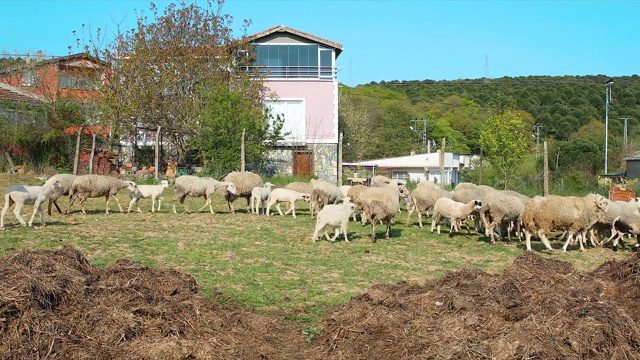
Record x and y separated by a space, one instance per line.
21 195
423 199
245 182
336 216
323 193
381 204
379 181
195 186
94 186
500 207
624 224
454 211
259 196
570 213
148 191
66 180
614 209
285 195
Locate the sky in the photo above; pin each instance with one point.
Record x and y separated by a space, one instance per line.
387 40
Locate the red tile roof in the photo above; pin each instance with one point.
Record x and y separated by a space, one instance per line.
12 93
282 28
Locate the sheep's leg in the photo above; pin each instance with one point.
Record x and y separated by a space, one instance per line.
388 232
131 202
336 233
373 229
81 203
344 230
7 205
37 208
569 240
490 230
118 202
160 198
72 199
544 239
527 238
419 219
280 210
434 221
316 231
410 211
17 211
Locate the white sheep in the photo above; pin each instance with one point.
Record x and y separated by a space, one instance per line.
614 209
381 204
196 186
21 195
244 182
570 213
94 186
423 198
500 207
336 216
259 197
66 180
148 191
454 211
285 195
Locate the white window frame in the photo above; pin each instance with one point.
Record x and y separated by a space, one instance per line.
293 111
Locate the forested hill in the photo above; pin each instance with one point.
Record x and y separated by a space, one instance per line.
455 109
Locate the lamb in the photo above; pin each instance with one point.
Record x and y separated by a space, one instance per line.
423 198
336 216
454 211
381 204
624 224
259 196
66 180
94 186
244 182
570 213
195 186
285 195
148 191
21 195
323 193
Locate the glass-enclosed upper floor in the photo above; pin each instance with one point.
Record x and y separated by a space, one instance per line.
295 61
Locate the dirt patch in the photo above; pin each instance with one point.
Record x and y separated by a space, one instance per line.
56 305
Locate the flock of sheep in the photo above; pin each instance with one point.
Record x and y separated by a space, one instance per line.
590 218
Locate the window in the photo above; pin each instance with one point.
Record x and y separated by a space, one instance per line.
77 82
29 78
295 61
292 111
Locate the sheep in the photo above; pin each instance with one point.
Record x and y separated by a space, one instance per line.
336 216
423 198
615 209
553 212
454 211
259 196
501 207
195 186
381 204
244 182
148 191
299 186
624 224
94 186
285 195
344 189
323 193
379 181
354 194
21 195
66 180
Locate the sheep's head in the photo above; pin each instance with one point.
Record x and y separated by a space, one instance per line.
268 185
57 186
477 204
306 197
131 186
602 203
164 183
231 187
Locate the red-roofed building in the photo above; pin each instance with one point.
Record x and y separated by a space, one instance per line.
301 69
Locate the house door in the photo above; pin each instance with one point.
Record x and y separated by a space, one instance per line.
302 160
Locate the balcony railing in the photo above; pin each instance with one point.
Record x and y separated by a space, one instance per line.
297 72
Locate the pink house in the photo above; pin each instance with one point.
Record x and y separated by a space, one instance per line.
301 69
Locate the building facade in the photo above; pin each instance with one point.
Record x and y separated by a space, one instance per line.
300 69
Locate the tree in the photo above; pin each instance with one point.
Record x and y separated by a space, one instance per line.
165 70
504 143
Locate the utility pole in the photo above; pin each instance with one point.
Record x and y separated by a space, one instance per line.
537 129
626 119
424 132
606 124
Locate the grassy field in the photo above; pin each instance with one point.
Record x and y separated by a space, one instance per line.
268 263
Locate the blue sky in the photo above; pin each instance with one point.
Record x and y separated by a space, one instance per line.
390 40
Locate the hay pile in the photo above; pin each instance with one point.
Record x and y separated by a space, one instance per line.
55 305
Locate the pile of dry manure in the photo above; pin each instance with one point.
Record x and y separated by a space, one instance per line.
56 305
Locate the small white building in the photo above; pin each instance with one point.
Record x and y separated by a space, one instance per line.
417 168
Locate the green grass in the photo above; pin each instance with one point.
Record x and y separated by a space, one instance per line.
268 263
